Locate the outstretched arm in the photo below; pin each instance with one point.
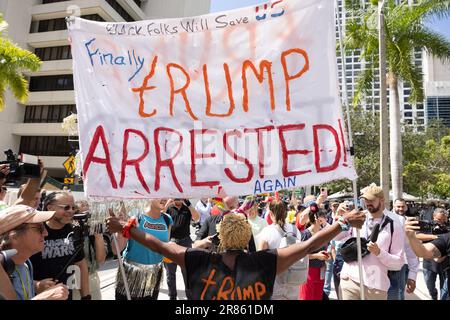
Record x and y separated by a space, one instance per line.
427 250
170 250
289 255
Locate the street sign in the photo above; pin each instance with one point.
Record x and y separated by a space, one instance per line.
68 180
69 164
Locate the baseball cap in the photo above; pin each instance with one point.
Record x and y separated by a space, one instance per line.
14 216
372 192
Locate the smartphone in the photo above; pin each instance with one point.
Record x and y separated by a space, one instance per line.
215 239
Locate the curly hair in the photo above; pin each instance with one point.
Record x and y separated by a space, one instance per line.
234 232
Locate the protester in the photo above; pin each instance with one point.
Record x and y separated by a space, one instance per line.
432 268
313 288
436 249
270 238
336 245
406 276
143 267
208 230
95 250
182 213
203 207
383 255
62 258
246 275
250 209
22 229
330 263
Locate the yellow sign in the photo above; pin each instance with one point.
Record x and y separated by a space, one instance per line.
69 164
68 180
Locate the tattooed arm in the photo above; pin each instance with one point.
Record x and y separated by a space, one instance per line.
427 250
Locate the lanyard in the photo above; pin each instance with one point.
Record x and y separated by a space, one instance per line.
367 226
25 290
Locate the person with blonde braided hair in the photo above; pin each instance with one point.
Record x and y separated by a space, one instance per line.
233 272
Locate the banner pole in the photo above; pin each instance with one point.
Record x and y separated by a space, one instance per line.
122 271
350 140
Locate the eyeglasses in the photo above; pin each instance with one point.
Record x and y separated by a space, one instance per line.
40 228
66 207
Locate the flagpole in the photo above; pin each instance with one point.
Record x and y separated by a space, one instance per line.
350 140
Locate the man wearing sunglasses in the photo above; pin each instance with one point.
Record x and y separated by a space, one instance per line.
63 257
22 229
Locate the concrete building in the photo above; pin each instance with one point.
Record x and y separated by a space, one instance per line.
39 26
437 88
411 114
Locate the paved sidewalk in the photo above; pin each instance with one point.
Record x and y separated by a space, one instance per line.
108 272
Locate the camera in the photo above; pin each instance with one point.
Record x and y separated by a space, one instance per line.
6 262
81 229
18 169
433 227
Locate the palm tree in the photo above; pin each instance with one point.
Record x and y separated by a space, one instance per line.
406 33
13 61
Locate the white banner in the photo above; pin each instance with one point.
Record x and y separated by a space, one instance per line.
235 103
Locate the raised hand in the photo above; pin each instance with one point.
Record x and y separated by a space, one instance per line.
355 218
113 224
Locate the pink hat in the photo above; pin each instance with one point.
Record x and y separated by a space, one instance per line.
14 216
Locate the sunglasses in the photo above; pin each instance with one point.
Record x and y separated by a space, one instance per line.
66 207
40 228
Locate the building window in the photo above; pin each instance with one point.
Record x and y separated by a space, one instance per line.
54 53
48 113
121 11
51 83
52 1
46 146
408 114
58 24
420 114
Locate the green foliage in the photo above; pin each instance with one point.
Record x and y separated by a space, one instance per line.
13 62
405 32
426 157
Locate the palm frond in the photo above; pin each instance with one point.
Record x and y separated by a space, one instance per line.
19 87
363 84
432 42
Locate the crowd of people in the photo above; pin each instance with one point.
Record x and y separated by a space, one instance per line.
248 248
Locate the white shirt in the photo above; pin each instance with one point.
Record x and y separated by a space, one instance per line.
272 234
375 268
205 211
258 224
410 257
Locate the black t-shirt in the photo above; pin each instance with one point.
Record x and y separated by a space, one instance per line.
56 254
208 278
181 222
443 245
208 228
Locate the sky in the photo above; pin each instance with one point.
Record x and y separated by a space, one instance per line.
442 26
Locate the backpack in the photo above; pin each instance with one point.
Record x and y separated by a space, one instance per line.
297 273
